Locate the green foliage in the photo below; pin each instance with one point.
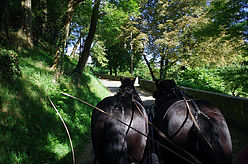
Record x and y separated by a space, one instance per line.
142 71
235 78
31 131
98 54
110 24
9 66
130 6
198 78
230 80
99 70
230 15
194 33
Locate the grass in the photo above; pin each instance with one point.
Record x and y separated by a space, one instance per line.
31 131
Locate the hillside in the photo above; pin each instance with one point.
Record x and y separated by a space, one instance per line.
31 131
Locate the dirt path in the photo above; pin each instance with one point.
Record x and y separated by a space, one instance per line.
88 155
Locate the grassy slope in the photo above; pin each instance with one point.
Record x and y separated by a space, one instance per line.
31 131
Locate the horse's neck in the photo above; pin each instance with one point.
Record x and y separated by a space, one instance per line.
164 104
168 98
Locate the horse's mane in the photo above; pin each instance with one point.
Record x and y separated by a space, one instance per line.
127 88
167 90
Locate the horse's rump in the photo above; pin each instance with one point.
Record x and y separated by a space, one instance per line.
212 144
114 142
115 145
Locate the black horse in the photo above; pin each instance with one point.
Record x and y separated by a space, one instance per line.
196 127
114 142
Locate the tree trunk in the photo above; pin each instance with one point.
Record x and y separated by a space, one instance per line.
162 66
45 12
149 66
110 70
131 53
87 45
76 45
26 31
4 13
62 44
115 70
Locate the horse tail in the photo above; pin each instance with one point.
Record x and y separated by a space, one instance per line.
115 145
208 142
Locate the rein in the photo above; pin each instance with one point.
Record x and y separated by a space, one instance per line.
196 124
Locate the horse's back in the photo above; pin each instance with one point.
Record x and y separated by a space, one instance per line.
110 137
99 134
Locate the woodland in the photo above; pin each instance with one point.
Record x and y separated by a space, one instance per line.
198 43
50 45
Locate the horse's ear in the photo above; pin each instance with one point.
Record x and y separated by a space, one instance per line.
134 80
157 83
121 79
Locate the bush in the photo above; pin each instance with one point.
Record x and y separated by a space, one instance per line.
198 78
235 78
9 66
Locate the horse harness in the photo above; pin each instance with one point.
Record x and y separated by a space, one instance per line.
130 127
126 92
129 92
183 98
194 117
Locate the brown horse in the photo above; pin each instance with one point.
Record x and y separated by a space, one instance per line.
114 142
207 139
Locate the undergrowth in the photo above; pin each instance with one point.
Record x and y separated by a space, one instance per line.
31 131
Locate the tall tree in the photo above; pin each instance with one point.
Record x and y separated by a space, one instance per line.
62 43
4 14
177 35
76 45
26 30
80 24
40 21
87 45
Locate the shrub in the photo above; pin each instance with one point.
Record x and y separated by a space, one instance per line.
198 78
9 66
235 78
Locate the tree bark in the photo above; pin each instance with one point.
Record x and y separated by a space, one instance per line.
62 44
4 13
110 70
26 31
162 66
131 53
149 66
76 45
87 45
45 11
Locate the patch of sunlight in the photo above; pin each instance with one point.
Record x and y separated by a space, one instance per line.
60 149
10 104
18 157
97 87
